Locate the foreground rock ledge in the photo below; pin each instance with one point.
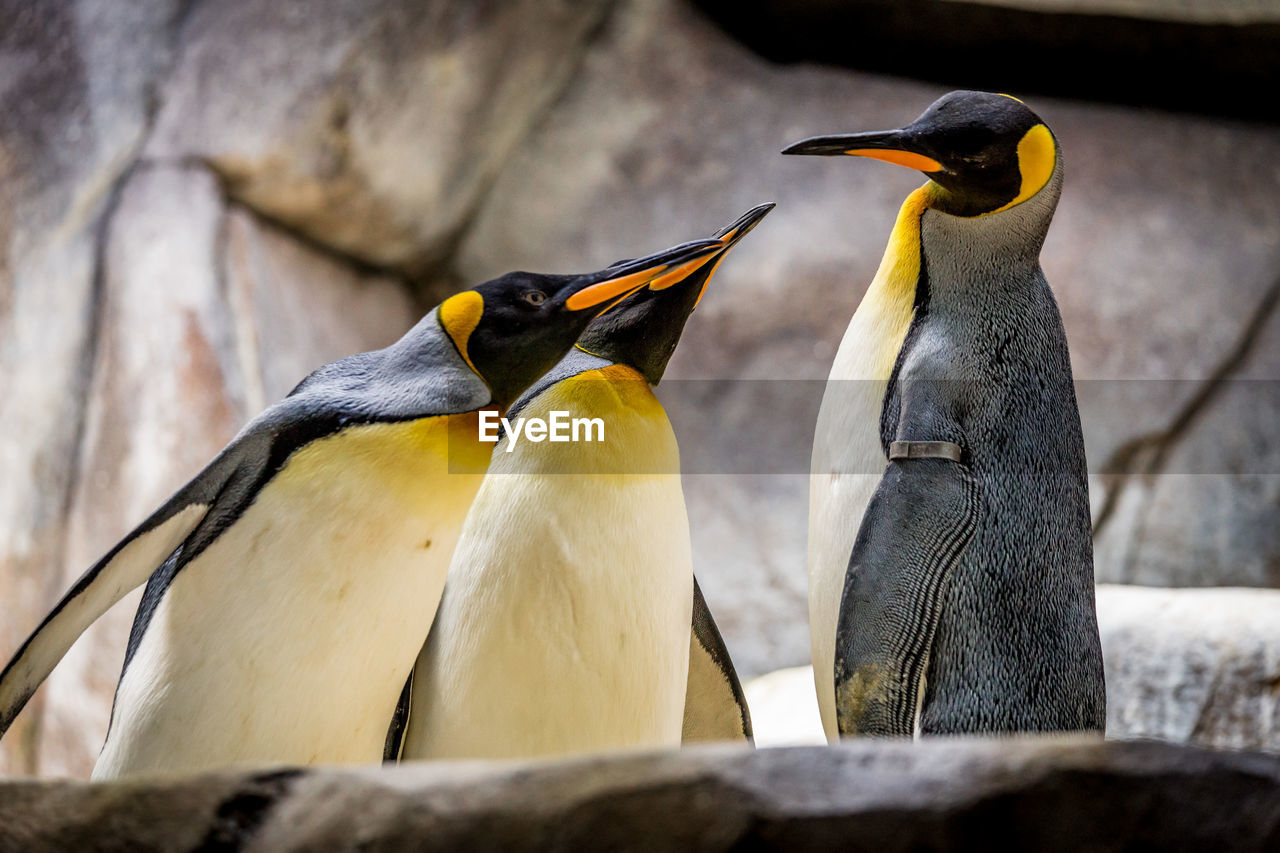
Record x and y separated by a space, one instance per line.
1043 794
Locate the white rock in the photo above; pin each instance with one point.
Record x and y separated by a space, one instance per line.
784 708
1197 666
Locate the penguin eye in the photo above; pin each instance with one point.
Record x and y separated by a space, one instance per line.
535 297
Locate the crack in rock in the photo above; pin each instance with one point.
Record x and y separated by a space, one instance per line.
1145 455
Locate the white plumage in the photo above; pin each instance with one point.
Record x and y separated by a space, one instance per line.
565 625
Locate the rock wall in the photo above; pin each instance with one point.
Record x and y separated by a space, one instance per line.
1209 56
200 202
1193 666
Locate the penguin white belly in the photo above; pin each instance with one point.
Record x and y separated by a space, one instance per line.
565 625
847 442
848 459
290 637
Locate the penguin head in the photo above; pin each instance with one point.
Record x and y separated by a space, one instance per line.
643 330
513 329
983 152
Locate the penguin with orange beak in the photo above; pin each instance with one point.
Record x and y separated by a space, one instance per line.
291 583
571 621
950 561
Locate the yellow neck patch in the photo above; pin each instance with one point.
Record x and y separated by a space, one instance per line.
1037 156
899 272
459 315
889 304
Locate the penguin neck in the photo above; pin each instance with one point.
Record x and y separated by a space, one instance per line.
959 249
976 257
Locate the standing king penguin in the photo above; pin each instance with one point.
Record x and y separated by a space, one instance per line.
963 601
293 581
566 623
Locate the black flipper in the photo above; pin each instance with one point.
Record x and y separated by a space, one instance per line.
130 563
918 524
394 746
715 707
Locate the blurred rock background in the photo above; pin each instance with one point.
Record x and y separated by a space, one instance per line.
202 201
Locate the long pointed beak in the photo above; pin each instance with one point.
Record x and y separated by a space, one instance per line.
620 280
734 232
891 146
728 237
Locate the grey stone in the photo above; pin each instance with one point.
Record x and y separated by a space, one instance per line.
1043 794
1209 56
75 108
1202 507
299 308
165 396
372 127
1199 11
1198 666
558 137
1237 12
1189 666
205 314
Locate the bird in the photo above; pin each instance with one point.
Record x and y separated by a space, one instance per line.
291 583
570 621
950 562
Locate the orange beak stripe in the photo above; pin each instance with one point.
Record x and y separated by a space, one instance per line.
710 275
602 292
899 158
681 272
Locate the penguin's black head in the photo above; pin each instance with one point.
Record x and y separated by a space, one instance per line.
515 328
985 152
642 332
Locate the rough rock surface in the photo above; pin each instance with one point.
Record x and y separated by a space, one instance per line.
1030 794
1201 506
165 396
384 138
149 305
1193 666
205 315
1197 666
299 308
75 108
1211 56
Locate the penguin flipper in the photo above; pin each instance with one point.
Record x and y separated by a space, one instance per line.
394 746
715 707
915 529
126 566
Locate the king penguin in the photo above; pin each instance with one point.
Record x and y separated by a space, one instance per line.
950 562
290 584
566 623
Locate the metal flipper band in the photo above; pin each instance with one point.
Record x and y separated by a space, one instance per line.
924 450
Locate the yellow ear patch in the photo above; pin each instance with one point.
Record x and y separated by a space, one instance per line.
459 315
1037 156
